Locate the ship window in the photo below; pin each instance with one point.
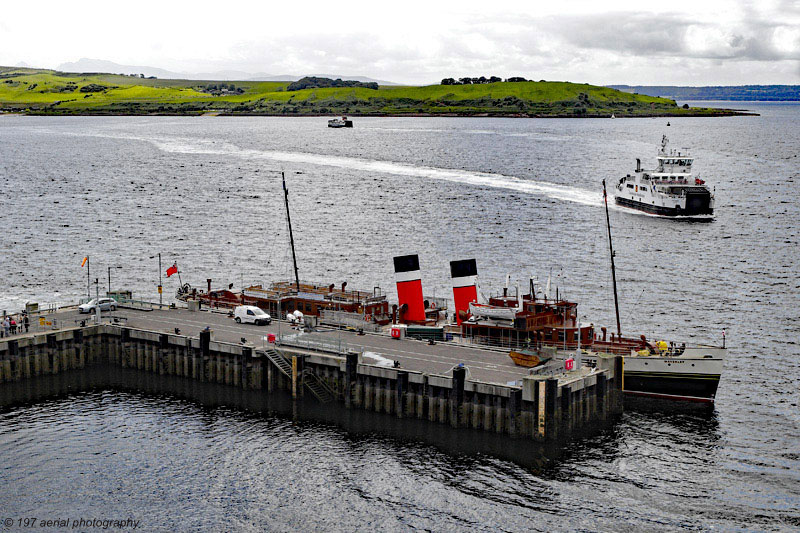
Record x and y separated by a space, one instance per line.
630 186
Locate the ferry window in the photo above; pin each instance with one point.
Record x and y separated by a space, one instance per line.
630 186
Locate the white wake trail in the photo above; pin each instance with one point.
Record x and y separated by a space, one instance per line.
477 179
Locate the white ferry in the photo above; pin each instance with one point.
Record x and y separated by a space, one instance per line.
670 190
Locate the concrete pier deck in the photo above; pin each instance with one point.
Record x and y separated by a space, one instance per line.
493 366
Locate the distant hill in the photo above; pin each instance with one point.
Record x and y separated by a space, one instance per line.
49 92
734 92
101 65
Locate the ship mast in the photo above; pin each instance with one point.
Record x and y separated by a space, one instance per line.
613 270
291 237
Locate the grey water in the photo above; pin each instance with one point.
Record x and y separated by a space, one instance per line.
522 197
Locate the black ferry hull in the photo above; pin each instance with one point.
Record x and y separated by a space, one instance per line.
697 388
697 205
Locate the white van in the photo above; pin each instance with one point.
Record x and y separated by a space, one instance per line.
251 314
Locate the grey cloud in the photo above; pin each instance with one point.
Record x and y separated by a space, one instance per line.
645 34
568 47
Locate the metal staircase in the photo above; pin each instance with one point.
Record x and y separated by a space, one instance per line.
279 361
317 387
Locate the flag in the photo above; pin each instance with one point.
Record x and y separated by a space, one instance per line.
172 270
83 263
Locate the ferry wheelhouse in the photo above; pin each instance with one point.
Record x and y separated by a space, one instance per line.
517 321
669 190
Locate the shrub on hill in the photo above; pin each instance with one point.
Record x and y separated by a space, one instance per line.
93 88
477 81
313 82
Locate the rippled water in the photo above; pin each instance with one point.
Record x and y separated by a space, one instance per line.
522 196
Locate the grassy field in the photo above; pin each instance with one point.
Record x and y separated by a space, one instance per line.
36 91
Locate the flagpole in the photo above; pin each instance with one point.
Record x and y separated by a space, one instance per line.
88 279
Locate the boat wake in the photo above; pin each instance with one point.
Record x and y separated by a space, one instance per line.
468 177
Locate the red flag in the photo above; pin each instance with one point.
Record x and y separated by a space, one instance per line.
172 270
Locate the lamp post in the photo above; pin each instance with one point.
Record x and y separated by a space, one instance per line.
160 286
109 279
97 300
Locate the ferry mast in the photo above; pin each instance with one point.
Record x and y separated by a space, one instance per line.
613 270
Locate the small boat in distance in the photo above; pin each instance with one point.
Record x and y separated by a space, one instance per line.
340 123
669 190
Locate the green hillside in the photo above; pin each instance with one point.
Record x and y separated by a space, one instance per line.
36 91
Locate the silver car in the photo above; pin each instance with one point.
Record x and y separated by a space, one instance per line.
105 304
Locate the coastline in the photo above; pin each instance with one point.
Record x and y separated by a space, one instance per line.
219 113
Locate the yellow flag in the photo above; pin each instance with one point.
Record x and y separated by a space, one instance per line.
83 263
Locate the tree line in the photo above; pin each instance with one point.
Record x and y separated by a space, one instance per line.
477 81
314 82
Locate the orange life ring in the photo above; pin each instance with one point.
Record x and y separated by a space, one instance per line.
367 318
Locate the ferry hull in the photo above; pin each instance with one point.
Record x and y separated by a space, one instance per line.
693 377
697 388
695 208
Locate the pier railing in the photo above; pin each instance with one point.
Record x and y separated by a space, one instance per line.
345 319
298 340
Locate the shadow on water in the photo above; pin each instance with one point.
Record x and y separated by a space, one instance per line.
461 445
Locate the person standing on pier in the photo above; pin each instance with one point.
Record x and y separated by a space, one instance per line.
26 322
6 326
13 325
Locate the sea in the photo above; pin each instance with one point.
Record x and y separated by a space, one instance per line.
524 197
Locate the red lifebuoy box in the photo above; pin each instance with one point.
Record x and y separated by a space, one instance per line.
271 338
395 333
569 364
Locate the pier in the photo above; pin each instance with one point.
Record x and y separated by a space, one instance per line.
443 383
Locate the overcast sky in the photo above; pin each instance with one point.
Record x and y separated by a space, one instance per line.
706 42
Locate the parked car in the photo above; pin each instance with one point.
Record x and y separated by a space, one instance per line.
252 315
105 304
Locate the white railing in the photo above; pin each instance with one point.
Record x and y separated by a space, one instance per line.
344 319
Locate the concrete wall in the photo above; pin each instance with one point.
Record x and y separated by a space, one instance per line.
542 409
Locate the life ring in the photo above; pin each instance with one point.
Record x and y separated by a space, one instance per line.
367 318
